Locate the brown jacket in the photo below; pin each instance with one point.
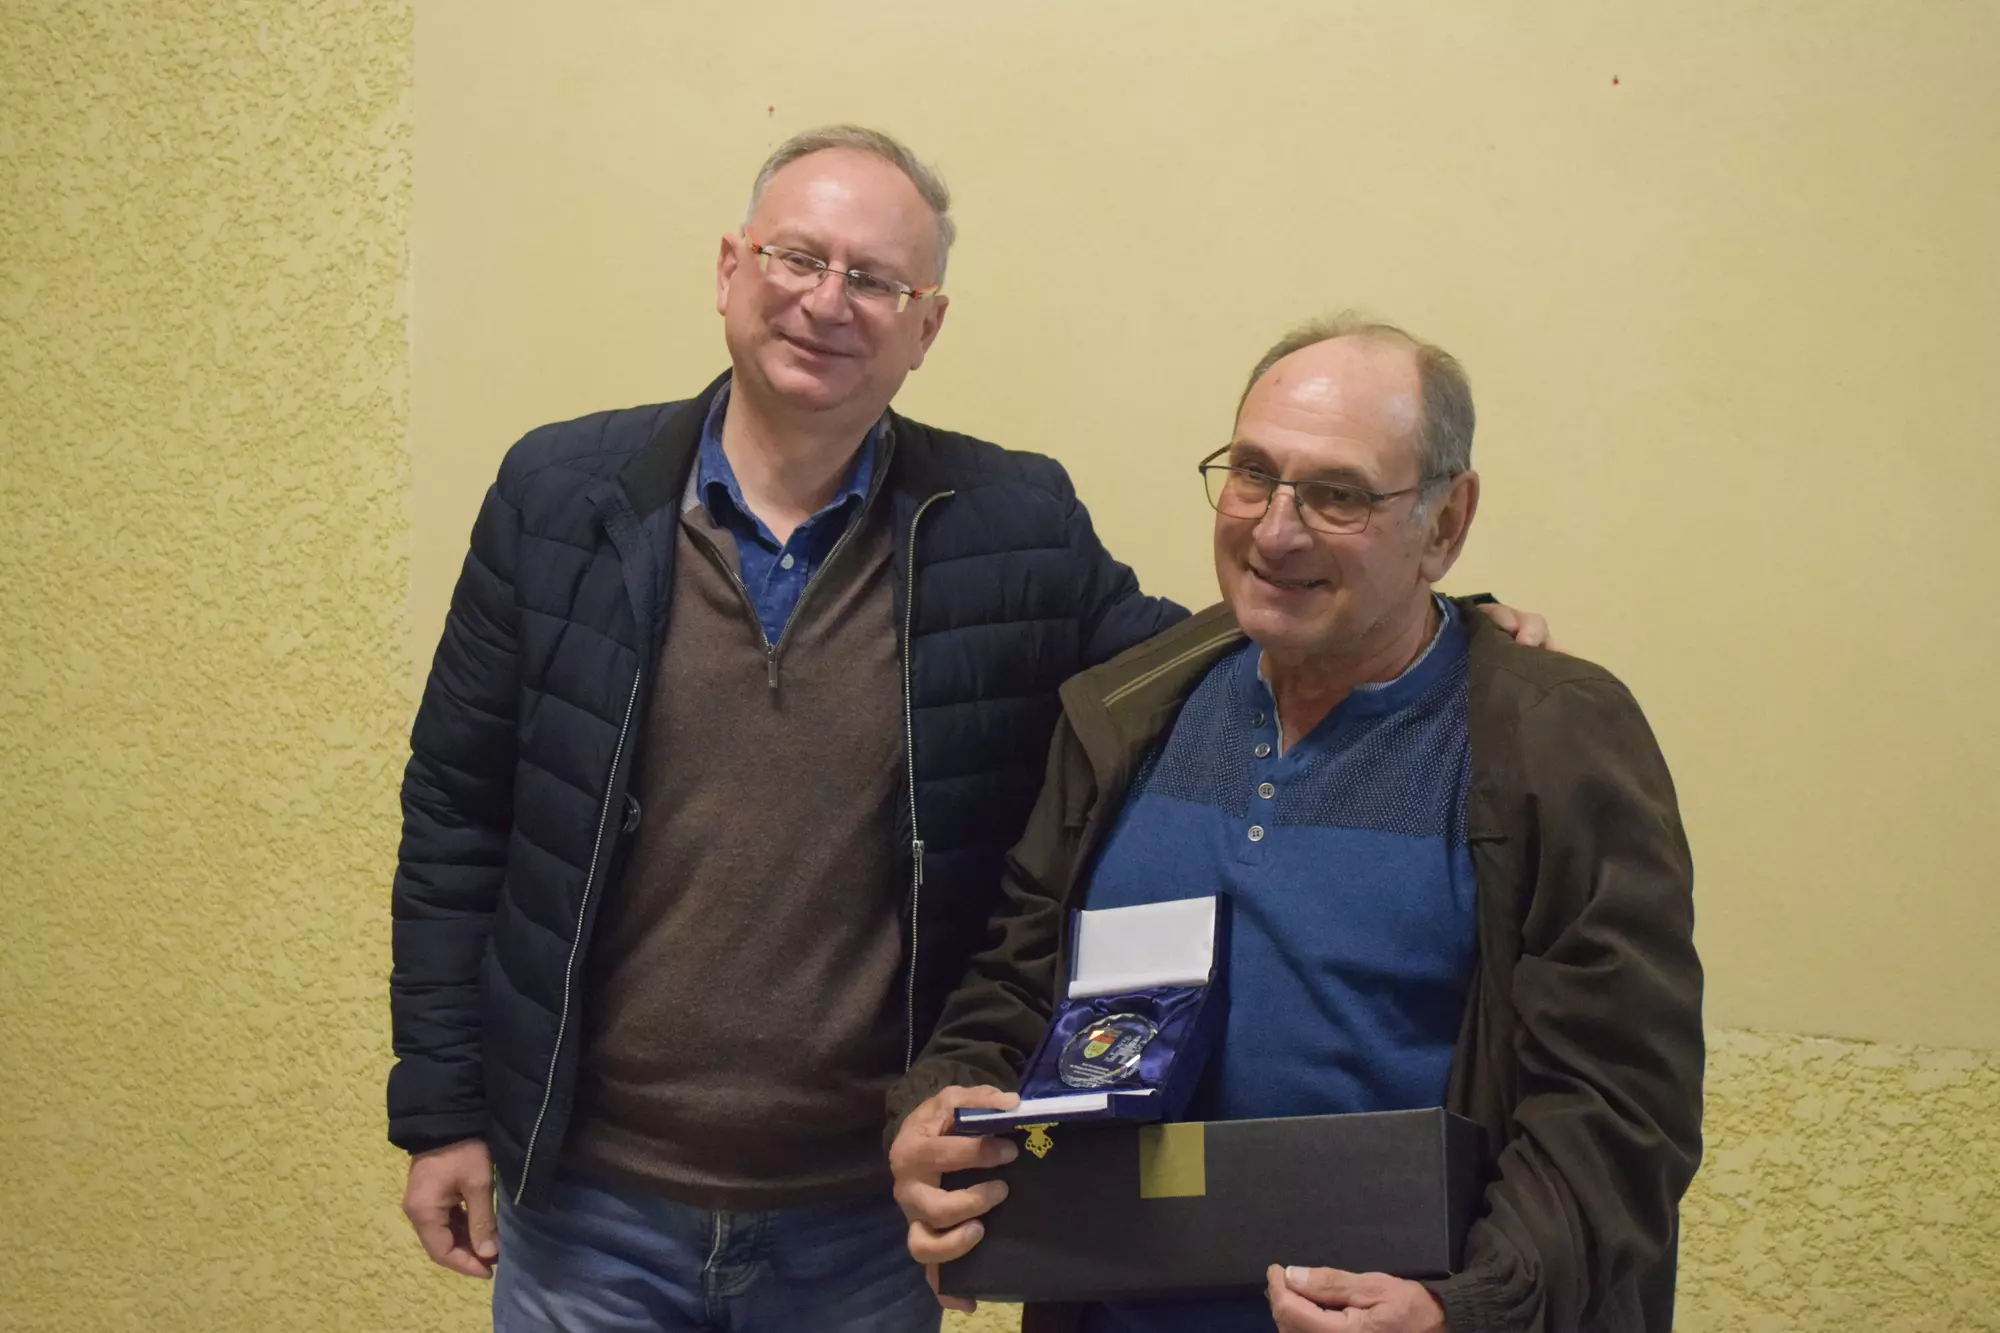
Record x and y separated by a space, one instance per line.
1581 1048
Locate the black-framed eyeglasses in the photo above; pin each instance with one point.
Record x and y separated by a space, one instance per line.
800 272
1324 506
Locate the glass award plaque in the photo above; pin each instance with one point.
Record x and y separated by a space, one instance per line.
1106 1052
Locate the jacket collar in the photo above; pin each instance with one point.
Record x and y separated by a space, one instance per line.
914 468
1120 709
1487 649
657 476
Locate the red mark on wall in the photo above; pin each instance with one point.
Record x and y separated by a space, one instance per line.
772 111
1614 80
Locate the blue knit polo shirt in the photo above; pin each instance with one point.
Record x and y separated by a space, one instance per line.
1352 931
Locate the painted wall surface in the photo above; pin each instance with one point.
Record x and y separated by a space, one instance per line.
203 473
1726 317
1722 276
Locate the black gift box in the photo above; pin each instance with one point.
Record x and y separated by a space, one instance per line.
1202 1208
1162 961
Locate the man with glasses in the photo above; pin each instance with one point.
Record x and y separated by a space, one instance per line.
739 705
1456 865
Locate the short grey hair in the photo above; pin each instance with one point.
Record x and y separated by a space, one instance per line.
861 139
1444 433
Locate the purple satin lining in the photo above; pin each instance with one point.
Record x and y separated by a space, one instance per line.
1172 1008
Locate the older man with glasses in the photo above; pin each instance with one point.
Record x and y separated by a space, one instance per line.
739 705
1456 867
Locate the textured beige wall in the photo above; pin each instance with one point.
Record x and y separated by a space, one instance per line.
1849 1185
203 475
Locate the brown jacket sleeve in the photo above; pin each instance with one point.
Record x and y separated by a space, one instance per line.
1606 1036
1000 1009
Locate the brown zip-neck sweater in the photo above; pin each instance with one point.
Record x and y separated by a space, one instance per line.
742 1004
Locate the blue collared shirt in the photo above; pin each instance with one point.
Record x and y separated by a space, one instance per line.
775 573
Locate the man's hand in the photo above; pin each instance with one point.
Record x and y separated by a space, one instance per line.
1327 1300
1529 630
449 1201
942 1222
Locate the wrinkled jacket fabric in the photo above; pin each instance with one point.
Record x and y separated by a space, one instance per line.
1580 1052
517 804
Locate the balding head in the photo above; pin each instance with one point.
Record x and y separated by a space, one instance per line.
1357 385
1445 419
1332 520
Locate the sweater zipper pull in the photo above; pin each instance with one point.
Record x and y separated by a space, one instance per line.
771 664
917 859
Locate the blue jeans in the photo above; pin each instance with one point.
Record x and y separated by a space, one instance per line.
603 1259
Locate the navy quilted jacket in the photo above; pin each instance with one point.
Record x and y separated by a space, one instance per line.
516 815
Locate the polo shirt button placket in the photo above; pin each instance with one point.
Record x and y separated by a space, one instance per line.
1253 851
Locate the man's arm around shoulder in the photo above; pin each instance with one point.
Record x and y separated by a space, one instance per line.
1117 615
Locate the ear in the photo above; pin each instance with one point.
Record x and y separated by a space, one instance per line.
725 270
927 332
1449 524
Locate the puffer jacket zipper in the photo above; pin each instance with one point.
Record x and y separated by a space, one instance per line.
910 772
576 941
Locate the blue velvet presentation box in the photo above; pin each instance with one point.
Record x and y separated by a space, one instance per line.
1158 962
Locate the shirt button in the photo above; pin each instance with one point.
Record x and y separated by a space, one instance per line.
1263 750
787 562
1256 833
1266 790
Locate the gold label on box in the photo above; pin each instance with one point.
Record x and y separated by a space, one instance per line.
1173 1161
1039 1141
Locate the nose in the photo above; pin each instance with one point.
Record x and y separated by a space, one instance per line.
828 301
1281 529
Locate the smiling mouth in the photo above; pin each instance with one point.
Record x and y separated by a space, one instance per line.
1286 585
811 348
